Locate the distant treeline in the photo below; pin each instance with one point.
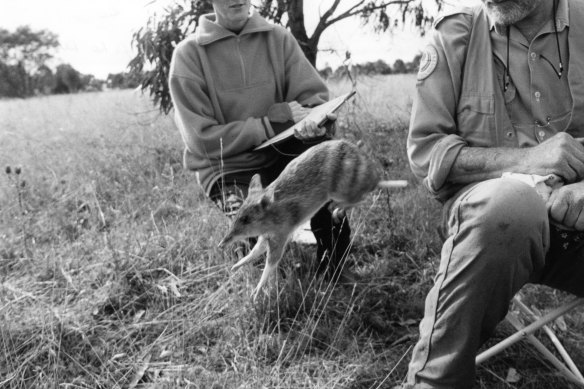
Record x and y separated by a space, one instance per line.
25 56
372 68
16 81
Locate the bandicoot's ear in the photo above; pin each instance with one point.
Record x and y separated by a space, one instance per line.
255 183
266 201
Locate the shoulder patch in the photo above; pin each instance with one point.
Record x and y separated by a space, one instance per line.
428 62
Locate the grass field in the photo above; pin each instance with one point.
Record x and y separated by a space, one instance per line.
111 278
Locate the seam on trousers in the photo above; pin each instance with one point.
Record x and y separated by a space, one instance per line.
428 339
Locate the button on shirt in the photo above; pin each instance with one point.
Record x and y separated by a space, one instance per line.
538 102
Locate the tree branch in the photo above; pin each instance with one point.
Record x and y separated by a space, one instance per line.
355 6
322 22
324 17
352 12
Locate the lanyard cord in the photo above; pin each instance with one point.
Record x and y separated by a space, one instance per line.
507 76
558 41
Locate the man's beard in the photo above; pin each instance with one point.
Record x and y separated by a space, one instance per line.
511 11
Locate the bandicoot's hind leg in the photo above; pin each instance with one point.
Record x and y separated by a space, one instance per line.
275 251
259 248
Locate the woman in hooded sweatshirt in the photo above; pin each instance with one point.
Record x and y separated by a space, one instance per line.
235 83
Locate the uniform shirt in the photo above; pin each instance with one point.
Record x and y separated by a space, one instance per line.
538 102
459 100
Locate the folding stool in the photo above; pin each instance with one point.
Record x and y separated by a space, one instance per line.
567 368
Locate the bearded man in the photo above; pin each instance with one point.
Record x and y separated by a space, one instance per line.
496 136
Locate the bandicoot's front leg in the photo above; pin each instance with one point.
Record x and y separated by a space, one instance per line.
259 248
275 251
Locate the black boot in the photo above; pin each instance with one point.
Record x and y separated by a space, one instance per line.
333 240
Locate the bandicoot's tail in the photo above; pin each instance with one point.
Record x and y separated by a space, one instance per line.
390 184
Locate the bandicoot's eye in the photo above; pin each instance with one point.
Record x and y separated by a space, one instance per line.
244 219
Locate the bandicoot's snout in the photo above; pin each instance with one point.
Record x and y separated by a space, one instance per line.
224 242
227 240
221 244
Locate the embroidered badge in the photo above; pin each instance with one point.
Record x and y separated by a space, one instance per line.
428 62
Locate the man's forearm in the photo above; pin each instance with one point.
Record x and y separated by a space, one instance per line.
478 164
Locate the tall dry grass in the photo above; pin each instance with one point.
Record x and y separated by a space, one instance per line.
110 275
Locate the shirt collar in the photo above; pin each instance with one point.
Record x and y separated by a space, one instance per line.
562 18
209 31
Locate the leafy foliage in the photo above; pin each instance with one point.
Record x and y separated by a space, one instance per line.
123 80
32 48
11 80
23 54
68 80
155 42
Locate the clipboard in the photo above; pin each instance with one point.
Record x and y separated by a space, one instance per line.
317 114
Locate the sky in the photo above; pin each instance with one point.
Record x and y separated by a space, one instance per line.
95 35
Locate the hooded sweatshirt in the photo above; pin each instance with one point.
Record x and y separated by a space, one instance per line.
229 90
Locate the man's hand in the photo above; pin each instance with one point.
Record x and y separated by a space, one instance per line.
566 205
298 112
310 130
561 155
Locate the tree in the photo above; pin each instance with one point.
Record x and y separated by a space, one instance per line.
68 80
11 80
381 67
90 83
154 42
43 80
33 48
412 67
123 80
399 66
27 51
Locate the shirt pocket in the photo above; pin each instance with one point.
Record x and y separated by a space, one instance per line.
476 118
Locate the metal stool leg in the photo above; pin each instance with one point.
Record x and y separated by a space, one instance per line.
568 368
552 335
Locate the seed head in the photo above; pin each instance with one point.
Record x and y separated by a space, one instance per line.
17 170
8 170
22 183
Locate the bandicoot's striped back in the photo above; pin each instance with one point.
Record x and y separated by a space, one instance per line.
350 172
333 170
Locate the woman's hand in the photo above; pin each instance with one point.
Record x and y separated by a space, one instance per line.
309 130
298 112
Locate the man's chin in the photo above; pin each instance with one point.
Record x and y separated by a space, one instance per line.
502 16
507 13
